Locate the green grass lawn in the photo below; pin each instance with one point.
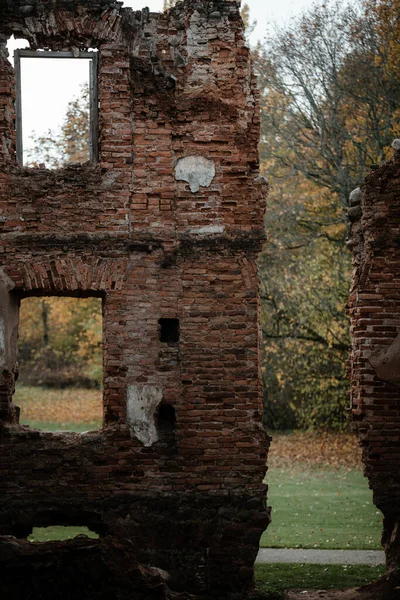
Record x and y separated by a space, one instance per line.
58 532
276 578
53 427
321 508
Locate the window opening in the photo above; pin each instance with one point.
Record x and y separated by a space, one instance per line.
169 330
166 418
56 107
60 364
60 533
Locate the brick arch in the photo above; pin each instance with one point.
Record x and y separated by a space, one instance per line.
70 275
65 25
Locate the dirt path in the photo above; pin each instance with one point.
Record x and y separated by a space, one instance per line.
321 557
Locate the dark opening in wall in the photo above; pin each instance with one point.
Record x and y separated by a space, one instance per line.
60 356
169 330
166 418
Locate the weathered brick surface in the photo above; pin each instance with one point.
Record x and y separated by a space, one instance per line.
93 569
171 85
374 308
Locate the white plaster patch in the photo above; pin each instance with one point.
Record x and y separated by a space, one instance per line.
196 170
207 229
142 403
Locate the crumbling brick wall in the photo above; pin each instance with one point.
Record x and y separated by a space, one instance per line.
374 309
177 99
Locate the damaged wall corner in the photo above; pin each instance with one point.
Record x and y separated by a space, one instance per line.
386 362
9 317
374 310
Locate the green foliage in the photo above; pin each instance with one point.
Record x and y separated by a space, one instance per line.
304 275
321 508
60 533
60 340
274 579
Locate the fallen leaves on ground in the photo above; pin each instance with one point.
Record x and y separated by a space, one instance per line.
59 406
314 448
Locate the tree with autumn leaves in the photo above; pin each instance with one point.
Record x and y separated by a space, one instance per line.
60 342
330 94
69 143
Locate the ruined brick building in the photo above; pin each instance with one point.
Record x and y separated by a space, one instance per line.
374 309
164 224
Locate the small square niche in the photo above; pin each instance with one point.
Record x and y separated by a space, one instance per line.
169 330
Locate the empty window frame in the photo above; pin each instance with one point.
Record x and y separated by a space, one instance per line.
60 356
92 58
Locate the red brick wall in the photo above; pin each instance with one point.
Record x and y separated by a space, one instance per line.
7 98
374 309
170 86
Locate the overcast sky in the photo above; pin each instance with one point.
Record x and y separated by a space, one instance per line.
44 105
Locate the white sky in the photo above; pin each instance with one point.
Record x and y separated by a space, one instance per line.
44 105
